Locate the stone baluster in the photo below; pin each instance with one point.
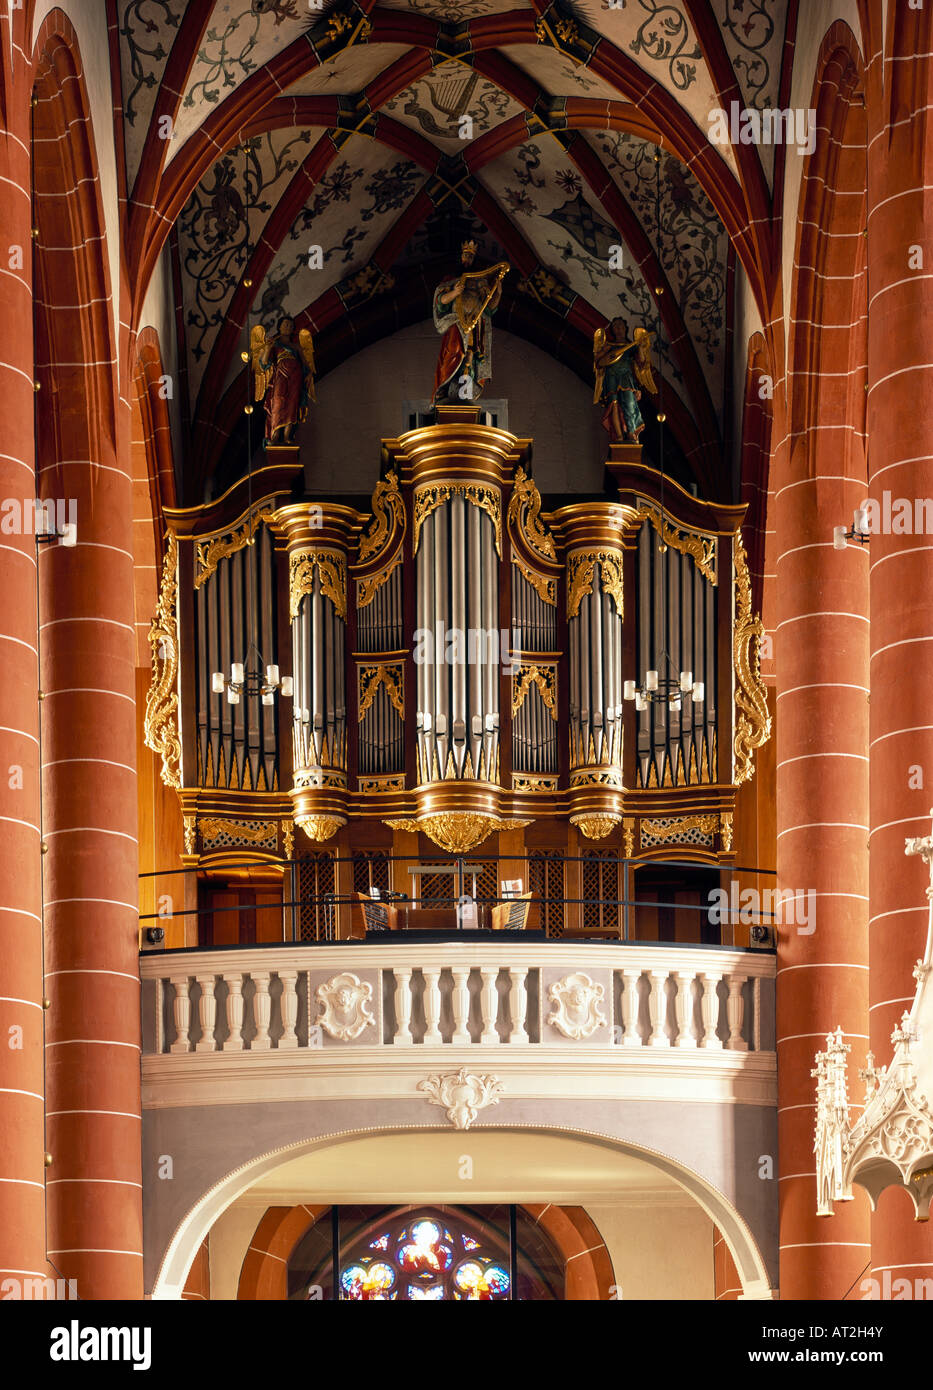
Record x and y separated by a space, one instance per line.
234 1042
684 1007
262 1011
432 1006
490 1002
657 1005
181 1010
709 1005
289 1006
630 1006
461 1003
756 1014
403 1037
518 1005
735 1014
207 1014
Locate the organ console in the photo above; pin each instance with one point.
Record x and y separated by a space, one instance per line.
459 657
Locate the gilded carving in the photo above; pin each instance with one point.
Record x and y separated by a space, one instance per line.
211 552
576 1006
344 1001
628 839
434 495
391 782
288 838
388 512
596 827
544 677
725 830
546 588
161 719
675 828
533 782
463 1094
320 828
753 722
372 677
525 515
254 832
368 588
457 831
191 834
580 569
332 569
703 549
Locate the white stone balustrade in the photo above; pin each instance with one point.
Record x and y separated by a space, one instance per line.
455 994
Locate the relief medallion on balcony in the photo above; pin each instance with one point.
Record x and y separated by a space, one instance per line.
345 1006
575 1005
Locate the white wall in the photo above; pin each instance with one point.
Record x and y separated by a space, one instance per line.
362 401
658 1251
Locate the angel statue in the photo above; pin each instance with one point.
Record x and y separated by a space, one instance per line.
623 368
284 374
464 303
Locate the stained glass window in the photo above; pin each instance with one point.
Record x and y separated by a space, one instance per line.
420 1257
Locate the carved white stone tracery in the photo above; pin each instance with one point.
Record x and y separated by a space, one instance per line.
575 1005
462 1094
345 1006
891 1143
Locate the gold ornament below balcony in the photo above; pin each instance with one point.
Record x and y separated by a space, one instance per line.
457 832
596 827
320 828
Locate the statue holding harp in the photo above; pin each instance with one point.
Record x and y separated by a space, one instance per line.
463 307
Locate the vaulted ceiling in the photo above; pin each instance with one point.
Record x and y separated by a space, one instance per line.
325 160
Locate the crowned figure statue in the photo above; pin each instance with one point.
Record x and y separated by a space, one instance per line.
464 303
623 369
283 370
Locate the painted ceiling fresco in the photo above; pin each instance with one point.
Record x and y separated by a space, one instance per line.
379 142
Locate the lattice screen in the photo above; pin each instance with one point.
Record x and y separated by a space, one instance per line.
370 870
315 879
601 890
546 881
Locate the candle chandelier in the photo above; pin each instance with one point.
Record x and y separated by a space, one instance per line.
657 685
250 677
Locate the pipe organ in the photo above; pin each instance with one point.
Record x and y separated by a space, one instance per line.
460 655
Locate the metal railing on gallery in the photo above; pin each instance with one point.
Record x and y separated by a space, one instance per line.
713 921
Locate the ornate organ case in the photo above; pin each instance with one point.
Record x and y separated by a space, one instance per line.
459 656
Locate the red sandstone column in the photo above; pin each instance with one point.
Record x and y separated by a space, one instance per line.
822 642
22 1144
88 724
900 422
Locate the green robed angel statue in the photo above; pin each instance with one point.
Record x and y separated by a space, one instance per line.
623 368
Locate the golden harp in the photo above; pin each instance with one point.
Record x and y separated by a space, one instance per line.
479 286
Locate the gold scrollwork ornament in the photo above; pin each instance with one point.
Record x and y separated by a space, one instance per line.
388 512
332 569
544 677
372 677
433 495
210 552
580 569
753 721
161 718
525 515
